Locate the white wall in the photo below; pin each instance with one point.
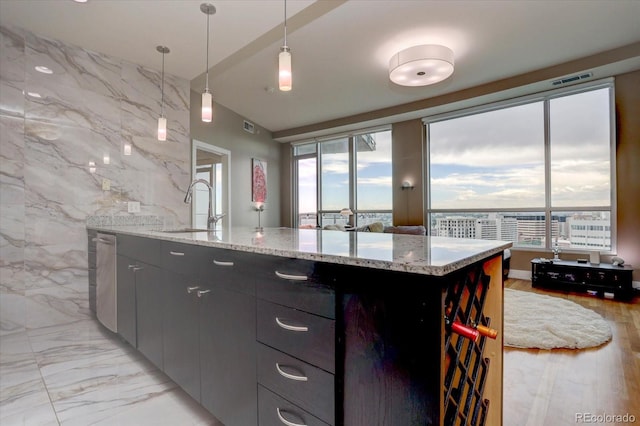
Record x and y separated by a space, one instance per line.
225 131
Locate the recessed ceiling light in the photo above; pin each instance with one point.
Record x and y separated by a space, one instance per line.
34 94
43 69
80 1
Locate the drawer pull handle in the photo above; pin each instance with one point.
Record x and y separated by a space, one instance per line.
136 268
192 289
291 327
176 253
291 376
221 263
291 277
133 266
201 293
285 421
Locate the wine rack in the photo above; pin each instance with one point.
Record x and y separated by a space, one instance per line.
466 368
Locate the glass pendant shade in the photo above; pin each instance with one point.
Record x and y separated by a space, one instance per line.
162 120
162 128
284 74
207 107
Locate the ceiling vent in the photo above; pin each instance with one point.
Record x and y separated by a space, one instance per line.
572 79
248 127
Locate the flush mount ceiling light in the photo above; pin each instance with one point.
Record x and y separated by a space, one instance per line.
284 60
207 98
421 65
162 120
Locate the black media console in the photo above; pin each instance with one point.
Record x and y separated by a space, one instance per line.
602 280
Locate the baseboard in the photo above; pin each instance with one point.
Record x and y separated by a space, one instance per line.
520 274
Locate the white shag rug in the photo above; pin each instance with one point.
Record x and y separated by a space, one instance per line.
534 320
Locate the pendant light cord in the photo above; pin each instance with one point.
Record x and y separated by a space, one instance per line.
285 23
162 102
206 88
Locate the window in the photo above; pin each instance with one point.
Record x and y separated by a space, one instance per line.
344 172
537 171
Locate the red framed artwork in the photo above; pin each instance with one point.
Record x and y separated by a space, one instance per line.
258 181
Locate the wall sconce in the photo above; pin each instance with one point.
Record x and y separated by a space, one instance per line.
126 149
92 166
106 159
406 185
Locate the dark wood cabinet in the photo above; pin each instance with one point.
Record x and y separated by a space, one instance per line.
273 410
602 280
209 321
180 319
296 339
149 312
227 355
138 296
126 298
261 339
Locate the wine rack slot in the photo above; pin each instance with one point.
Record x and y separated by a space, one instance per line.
466 367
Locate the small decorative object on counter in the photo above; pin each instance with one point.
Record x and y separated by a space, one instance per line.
259 207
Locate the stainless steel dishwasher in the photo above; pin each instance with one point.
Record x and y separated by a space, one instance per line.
106 289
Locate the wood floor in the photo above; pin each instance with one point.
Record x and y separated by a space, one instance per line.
564 387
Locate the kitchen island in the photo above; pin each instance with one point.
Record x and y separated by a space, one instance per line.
293 327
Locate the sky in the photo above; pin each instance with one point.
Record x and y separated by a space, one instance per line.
496 158
493 159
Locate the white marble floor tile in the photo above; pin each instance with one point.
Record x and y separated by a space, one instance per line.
23 396
80 374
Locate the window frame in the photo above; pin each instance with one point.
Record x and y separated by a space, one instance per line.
548 209
352 201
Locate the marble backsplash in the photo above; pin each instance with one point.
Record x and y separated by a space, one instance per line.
62 143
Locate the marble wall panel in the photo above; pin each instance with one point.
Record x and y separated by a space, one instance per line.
52 127
73 67
66 106
11 72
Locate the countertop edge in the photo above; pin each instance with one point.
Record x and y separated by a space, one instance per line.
399 266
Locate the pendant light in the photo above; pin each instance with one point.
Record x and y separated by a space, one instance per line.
207 99
284 60
162 121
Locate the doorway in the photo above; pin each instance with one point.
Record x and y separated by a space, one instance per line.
210 163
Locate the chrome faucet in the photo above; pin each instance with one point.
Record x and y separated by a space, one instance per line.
212 220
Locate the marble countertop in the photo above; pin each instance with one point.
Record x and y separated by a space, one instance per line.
407 253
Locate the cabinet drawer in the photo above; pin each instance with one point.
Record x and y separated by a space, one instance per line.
272 407
308 337
296 283
182 258
146 250
231 269
308 387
